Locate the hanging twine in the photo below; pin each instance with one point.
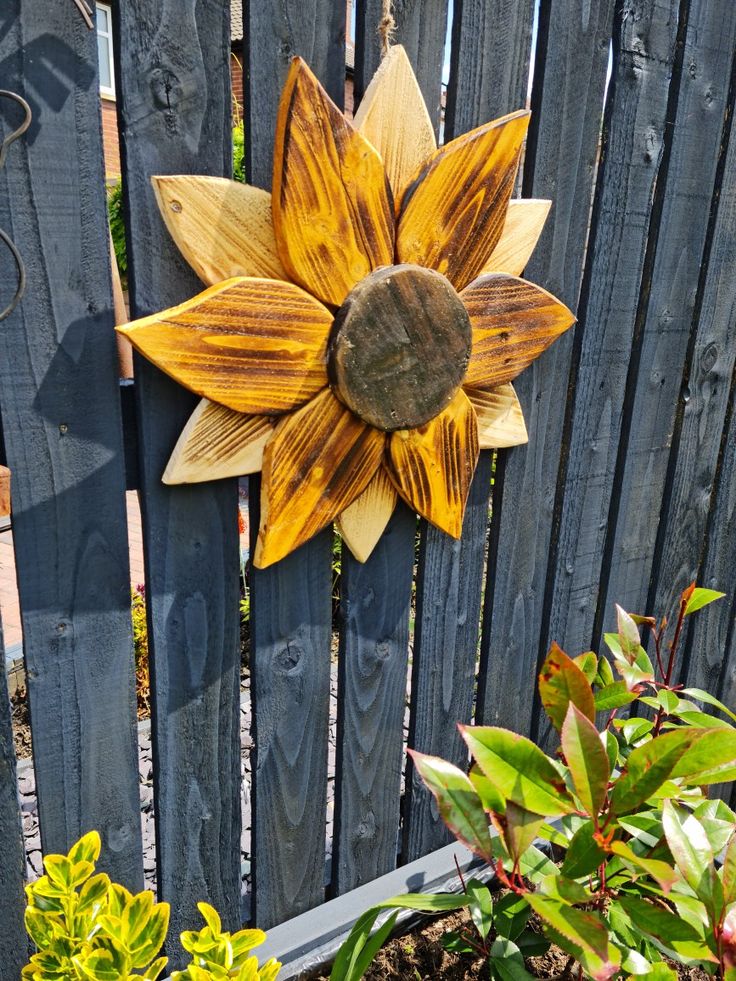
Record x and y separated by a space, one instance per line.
386 27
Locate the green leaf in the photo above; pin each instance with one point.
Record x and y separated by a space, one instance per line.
710 759
701 597
704 696
587 760
506 962
693 855
519 769
647 768
605 674
560 682
584 854
613 696
628 632
661 872
490 796
510 915
532 944
520 828
480 906
718 820
656 921
585 935
458 801
566 890
728 872
211 917
588 664
456 943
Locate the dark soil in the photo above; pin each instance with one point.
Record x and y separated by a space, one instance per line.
21 724
418 956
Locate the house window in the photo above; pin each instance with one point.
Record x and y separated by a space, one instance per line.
104 50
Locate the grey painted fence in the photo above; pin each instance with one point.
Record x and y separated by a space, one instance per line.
626 490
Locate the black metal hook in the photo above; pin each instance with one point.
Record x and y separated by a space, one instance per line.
4 237
12 137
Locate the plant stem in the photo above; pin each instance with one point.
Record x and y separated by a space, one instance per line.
460 875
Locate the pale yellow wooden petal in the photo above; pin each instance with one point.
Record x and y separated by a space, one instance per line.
453 213
364 521
432 467
318 461
221 227
255 345
524 223
394 118
500 417
332 205
218 442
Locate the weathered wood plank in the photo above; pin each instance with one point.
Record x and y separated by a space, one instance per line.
489 66
274 34
449 583
421 26
656 399
697 450
374 646
13 939
290 604
560 164
623 237
174 114
61 423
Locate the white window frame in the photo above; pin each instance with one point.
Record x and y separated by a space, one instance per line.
108 91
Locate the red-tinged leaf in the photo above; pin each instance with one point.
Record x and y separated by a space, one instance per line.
713 754
519 769
693 855
560 682
657 921
520 828
490 796
459 804
647 768
581 933
728 872
587 760
662 873
628 632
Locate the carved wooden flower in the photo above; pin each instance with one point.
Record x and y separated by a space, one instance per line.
363 323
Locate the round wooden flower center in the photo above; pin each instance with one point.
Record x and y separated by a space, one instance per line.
400 347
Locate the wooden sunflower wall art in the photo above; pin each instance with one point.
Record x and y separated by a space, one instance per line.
363 323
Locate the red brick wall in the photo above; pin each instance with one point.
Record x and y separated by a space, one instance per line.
110 138
236 79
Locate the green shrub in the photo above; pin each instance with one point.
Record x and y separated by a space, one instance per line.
633 878
87 928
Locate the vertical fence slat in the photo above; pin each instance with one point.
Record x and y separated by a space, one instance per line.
449 585
489 70
290 602
653 405
421 26
374 649
174 114
13 939
61 425
567 100
623 235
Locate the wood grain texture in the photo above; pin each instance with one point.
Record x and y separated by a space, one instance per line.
453 213
291 608
421 27
222 228
560 163
318 461
332 205
375 599
4 492
218 442
524 222
668 352
445 656
489 63
62 434
500 417
13 938
174 115
363 522
393 117
253 345
400 347
633 172
273 34
432 466
513 322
